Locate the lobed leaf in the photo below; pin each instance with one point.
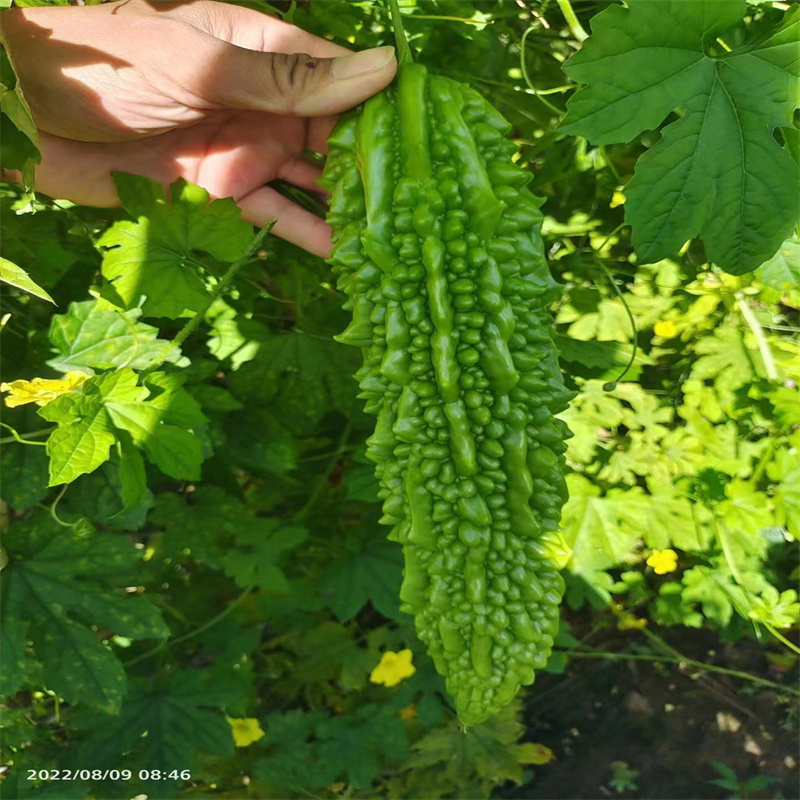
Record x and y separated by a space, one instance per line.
718 173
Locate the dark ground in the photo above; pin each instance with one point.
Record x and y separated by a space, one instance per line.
664 721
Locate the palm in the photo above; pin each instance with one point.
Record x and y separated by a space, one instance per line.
112 90
230 153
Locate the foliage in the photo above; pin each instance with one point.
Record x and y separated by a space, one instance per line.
191 534
740 788
717 172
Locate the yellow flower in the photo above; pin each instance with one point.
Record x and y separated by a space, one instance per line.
665 328
617 199
533 753
663 561
408 712
393 668
41 390
245 731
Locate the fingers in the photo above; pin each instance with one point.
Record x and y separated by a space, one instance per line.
319 129
270 65
297 83
301 174
253 30
294 224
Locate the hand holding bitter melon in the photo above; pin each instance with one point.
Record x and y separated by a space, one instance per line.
437 243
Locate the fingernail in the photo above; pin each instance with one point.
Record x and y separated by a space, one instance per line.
362 63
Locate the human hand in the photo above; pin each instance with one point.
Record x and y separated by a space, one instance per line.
199 90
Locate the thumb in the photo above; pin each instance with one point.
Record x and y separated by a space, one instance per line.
297 83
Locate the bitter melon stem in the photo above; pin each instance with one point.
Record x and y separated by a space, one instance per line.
403 50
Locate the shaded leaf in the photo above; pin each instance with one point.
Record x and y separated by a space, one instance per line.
180 715
369 570
259 550
89 336
301 378
61 583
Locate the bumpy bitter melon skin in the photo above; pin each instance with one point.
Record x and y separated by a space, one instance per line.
438 248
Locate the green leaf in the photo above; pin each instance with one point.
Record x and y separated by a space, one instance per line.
786 401
592 412
717 174
90 417
720 593
256 440
19 139
258 553
712 591
369 570
62 583
601 530
485 750
782 271
673 521
657 452
13 643
726 359
609 323
84 436
743 516
89 336
179 715
133 479
24 471
779 609
301 377
672 609
324 654
785 470
215 398
115 495
233 335
152 258
13 275
361 483
592 354
355 742
201 525
293 761
224 533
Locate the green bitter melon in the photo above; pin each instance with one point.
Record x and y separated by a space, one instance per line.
438 248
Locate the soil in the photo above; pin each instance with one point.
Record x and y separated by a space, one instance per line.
664 721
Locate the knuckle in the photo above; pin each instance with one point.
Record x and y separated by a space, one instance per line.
294 74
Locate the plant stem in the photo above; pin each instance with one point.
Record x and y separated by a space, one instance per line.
634 331
221 286
781 638
403 50
722 538
191 634
526 77
54 512
735 673
449 19
340 451
665 646
572 20
15 437
758 332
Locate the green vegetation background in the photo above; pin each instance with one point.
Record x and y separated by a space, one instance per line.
230 566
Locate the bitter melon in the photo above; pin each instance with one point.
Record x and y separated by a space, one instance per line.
438 248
